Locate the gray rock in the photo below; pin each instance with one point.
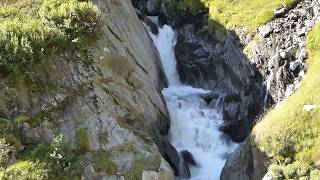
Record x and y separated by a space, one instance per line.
265 30
153 7
294 65
245 163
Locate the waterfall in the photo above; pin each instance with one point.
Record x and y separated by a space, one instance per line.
194 126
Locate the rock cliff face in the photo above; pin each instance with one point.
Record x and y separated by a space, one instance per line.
112 91
279 50
280 56
221 66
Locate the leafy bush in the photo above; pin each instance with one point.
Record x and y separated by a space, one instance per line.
30 30
73 17
24 44
24 170
58 158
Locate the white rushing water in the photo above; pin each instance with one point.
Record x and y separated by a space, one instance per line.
194 126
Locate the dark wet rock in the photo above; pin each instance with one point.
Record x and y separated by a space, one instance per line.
168 152
220 66
210 97
153 7
185 171
245 163
188 157
153 27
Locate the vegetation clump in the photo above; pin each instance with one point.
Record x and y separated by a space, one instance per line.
30 30
290 134
82 139
194 7
104 164
24 170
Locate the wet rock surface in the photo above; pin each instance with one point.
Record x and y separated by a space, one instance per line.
220 66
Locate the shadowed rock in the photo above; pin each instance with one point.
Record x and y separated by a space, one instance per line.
188 157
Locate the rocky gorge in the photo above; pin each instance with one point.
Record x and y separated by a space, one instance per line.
105 98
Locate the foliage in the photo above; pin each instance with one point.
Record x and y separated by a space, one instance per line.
193 7
82 139
24 170
244 13
57 158
74 18
31 30
103 163
24 44
290 135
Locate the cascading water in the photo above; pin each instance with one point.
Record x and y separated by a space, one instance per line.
194 126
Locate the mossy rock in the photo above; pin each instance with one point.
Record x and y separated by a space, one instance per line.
103 163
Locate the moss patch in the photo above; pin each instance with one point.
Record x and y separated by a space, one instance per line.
104 164
82 137
289 134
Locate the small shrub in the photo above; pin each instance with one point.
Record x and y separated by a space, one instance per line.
276 171
193 7
25 44
24 170
82 140
57 157
73 17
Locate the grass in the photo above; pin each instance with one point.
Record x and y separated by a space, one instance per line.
31 30
244 13
82 137
289 135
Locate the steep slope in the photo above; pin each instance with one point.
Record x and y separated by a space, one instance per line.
99 101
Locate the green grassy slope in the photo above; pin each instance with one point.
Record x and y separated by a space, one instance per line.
289 134
244 13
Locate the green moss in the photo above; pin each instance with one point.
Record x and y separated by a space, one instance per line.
24 170
82 140
103 138
290 135
244 13
104 164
